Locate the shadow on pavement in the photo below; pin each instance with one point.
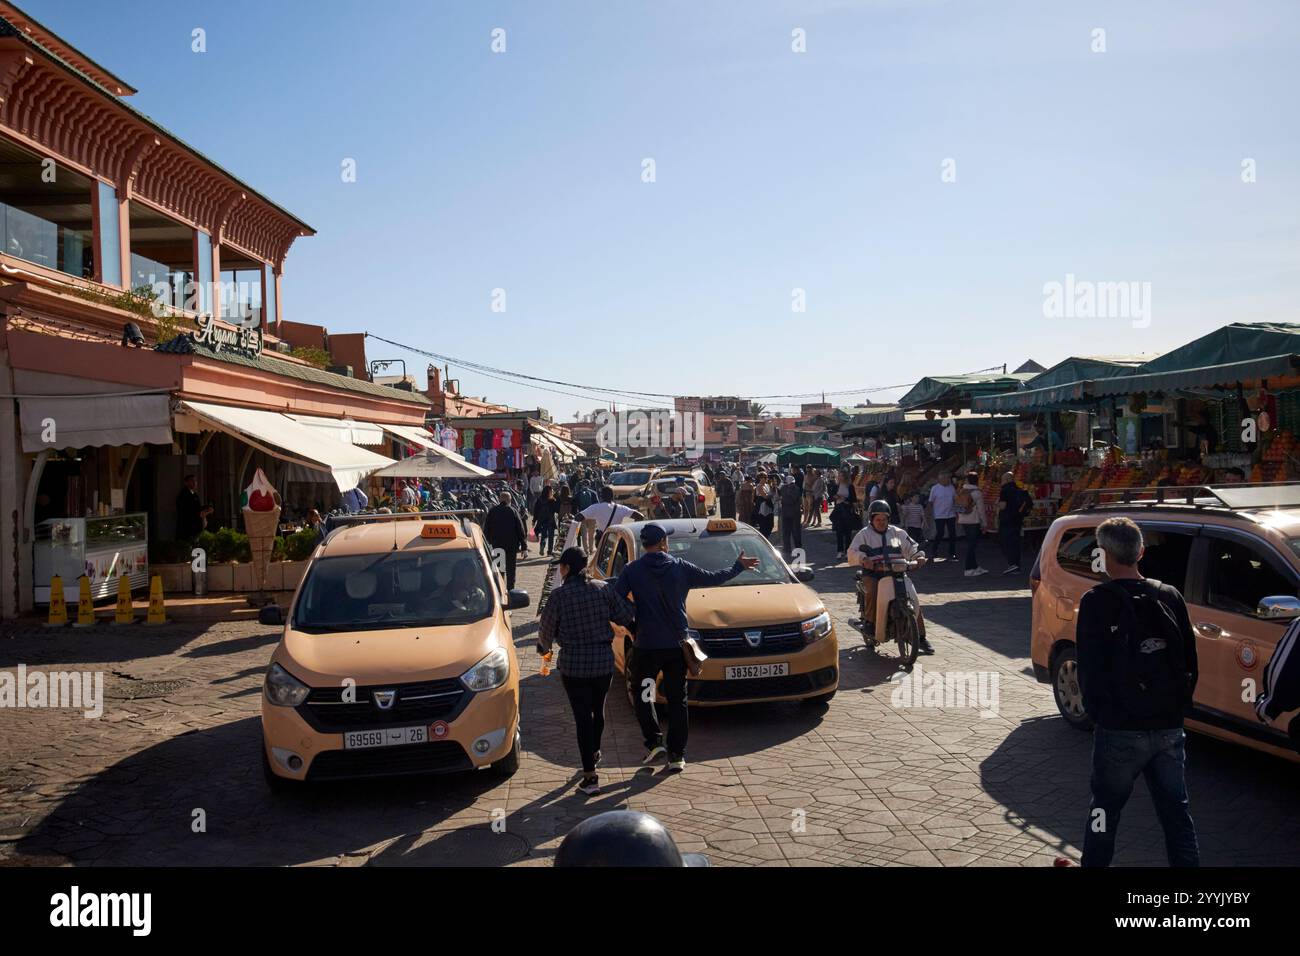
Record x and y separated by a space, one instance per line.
1040 774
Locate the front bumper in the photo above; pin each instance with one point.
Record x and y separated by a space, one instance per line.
489 716
813 672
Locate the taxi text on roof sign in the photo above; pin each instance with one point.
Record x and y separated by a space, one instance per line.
439 529
721 524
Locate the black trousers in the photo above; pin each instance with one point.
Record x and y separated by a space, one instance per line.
948 525
791 531
1009 538
728 507
587 698
843 537
646 665
512 558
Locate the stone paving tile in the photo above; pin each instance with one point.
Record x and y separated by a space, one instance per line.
859 783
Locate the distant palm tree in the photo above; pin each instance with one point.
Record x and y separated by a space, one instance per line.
755 409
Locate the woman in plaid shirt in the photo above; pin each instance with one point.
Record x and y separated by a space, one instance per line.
577 617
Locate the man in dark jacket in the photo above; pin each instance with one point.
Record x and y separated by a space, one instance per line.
504 530
1137 669
790 498
659 584
726 489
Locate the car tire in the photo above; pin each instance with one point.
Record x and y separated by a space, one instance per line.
508 765
820 699
1065 688
274 781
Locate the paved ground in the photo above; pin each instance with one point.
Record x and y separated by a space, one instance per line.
858 783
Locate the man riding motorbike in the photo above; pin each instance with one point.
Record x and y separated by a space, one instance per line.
878 543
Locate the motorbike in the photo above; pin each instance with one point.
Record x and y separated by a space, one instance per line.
899 622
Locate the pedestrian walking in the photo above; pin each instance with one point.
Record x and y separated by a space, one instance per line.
745 500
972 519
790 498
659 583
1014 505
726 490
544 514
913 516
1137 669
504 530
577 618
943 508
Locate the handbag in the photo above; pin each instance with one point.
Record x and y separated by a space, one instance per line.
692 653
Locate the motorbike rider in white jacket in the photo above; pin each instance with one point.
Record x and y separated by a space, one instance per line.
877 542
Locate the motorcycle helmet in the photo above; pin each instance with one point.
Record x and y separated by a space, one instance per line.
878 507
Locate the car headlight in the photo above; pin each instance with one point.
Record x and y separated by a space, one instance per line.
815 628
489 673
283 689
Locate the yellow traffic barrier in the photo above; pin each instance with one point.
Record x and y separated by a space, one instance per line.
85 606
125 610
58 609
157 610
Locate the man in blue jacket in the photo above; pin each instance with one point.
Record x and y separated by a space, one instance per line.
659 584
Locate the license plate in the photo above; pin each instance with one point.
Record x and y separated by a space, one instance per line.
388 737
750 671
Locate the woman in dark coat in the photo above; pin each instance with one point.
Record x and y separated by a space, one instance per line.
544 512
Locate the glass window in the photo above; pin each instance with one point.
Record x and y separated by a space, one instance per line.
713 552
1075 553
268 294
607 543
205 273
392 590
241 288
162 255
1239 575
620 559
1166 556
46 212
110 235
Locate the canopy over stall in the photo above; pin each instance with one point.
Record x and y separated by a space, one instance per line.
433 463
808 455
77 413
343 429
281 437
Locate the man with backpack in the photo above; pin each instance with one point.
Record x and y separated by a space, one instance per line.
1137 670
968 502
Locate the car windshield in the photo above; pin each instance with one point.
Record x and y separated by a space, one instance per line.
666 486
714 552
629 478
412 589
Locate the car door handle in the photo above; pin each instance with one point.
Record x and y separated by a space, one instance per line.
1209 630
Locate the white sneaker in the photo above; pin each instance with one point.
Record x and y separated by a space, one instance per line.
676 766
969 572
654 755
976 572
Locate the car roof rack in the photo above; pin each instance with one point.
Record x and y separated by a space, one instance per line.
1234 497
464 515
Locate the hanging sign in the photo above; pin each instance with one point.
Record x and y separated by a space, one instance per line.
243 340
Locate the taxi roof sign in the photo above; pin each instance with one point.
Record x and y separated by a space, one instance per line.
438 529
721 524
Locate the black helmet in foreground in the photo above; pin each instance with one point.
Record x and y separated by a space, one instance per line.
623 838
878 507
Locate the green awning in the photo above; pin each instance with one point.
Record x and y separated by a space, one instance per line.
1069 395
1205 376
946 390
807 455
1083 368
1233 343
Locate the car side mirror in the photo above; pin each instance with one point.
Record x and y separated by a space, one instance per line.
271 614
804 574
518 598
1278 607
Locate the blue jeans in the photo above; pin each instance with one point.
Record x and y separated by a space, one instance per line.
1118 757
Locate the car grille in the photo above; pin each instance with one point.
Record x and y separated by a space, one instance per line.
731 641
711 691
439 756
418 703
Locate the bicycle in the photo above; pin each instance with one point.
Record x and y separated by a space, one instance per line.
902 619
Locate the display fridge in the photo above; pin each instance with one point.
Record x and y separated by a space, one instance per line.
102 549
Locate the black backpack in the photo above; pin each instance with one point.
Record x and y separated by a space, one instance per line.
1150 677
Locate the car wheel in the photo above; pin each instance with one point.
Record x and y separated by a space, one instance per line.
508 765
274 781
1066 690
819 699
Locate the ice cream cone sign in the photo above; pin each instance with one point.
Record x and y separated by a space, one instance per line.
261 519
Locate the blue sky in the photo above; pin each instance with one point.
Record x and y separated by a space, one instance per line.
775 170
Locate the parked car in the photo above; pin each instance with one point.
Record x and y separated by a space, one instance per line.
1234 553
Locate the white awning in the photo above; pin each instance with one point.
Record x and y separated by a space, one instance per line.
343 429
292 441
80 413
416 436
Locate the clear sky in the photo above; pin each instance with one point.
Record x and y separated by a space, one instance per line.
774 171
